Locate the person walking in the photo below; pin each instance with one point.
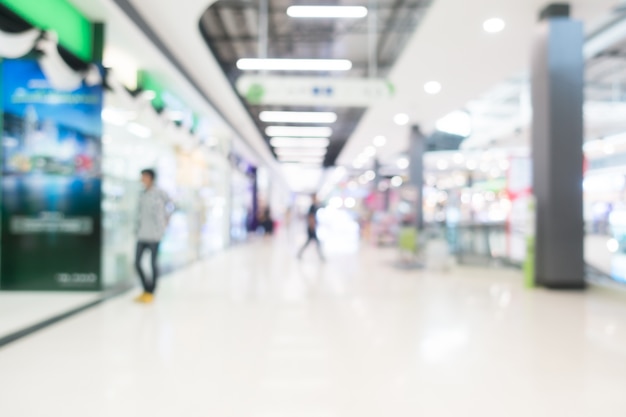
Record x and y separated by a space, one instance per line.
311 221
153 218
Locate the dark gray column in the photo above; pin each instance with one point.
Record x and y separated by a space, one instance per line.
417 147
376 169
557 98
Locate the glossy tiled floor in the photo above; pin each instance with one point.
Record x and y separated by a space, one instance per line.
252 332
19 310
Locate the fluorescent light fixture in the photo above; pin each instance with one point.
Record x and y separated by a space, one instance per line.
139 130
401 119
297 117
117 117
311 132
148 95
456 123
432 87
176 115
291 142
259 64
303 160
328 12
113 117
380 141
300 151
494 25
301 157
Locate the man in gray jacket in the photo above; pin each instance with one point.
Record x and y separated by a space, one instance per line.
154 213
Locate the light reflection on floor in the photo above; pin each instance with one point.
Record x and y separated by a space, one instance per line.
255 332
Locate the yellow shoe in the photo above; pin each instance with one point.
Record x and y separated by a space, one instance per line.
145 298
140 298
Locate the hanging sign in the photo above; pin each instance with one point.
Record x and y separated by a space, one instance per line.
313 91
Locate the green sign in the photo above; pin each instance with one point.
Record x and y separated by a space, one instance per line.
74 30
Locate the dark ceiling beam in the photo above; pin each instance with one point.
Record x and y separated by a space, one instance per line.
219 23
234 5
387 28
242 22
303 37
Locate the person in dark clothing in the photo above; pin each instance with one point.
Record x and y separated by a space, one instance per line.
311 221
266 222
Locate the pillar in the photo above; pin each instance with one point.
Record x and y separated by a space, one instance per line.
417 147
557 139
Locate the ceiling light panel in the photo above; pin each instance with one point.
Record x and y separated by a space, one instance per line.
257 64
297 117
308 131
327 12
291 142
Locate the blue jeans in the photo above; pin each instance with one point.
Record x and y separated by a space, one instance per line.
148 286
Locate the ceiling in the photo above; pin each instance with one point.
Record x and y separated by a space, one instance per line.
231 30
468 62
449 46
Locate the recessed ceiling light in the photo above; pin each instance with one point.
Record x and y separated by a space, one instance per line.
258 64
380 141
357 163
494 25
328 12
369 151
297 117
291 142
401 119
370 175
432 87
397 181
312 132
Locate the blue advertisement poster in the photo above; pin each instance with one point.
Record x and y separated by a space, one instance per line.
51 182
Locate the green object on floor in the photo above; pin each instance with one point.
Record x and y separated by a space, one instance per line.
529 263
407 239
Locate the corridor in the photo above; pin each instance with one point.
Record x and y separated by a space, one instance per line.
253 332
